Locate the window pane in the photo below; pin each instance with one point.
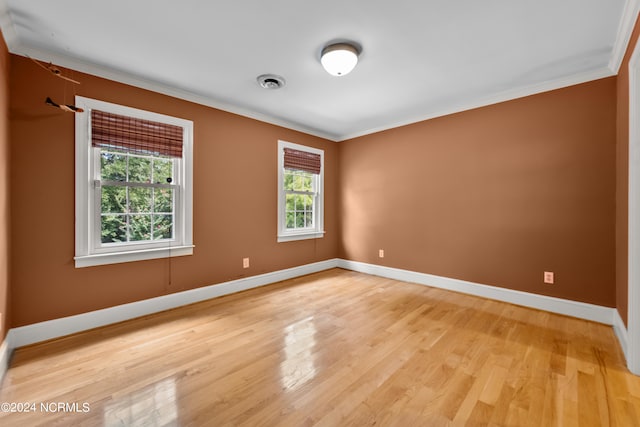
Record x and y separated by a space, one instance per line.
299 219
114 199
113 167
162 227
140 199
162 170
299 202
306 182
308 202
291 219
113 229
163 200
291 202
308 216
139 227
297 182
288 180
139 169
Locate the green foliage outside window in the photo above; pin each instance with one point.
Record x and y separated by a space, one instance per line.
133 213
299 206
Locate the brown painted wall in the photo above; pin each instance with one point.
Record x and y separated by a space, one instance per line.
234 201
4 190
495 195
622 178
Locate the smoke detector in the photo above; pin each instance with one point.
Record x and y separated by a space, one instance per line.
271 81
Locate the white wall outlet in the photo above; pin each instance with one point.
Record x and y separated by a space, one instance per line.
381 253
548 277
245 262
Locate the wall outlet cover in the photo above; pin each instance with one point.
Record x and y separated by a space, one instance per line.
548 277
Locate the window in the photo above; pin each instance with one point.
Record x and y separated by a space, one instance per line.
133 184
300 192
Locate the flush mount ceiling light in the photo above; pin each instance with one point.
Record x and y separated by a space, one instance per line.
339 59
270 81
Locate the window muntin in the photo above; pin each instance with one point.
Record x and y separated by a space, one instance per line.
137 197
300 197
134 198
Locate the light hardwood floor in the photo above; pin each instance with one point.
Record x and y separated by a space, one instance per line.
336 348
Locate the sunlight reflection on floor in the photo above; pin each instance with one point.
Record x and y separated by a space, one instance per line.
299 364
154 405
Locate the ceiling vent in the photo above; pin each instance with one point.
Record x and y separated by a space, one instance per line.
271 81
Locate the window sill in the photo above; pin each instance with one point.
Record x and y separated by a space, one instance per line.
128 256
300 236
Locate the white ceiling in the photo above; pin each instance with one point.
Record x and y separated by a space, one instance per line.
420 59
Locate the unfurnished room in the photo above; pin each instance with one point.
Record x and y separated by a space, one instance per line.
338 213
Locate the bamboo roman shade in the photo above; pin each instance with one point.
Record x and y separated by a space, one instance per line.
134 135
302 161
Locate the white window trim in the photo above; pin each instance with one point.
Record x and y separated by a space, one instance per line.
318 232
86 255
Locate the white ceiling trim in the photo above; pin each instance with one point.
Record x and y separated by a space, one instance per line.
497 98
141 82
10 35
6 25
627 23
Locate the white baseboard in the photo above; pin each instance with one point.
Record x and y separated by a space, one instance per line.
30 334
577 309
25 335
621 332
5 356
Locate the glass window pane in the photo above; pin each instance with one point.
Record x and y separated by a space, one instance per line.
306 182
113 229
300 202
299 219
139 169
290 202
113 167
140 199
139 227
288 180
114 199
297 182
162 227
308 216
162 170
308 203
291 219
163 200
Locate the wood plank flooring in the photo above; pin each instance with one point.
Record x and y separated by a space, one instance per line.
336 348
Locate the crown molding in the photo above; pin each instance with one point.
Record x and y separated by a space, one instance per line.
6 26
625 29
138 81
497 98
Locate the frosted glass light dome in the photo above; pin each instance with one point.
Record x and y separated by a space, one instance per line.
339 59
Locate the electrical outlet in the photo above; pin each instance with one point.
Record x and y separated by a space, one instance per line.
548 277
381 253
245 262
